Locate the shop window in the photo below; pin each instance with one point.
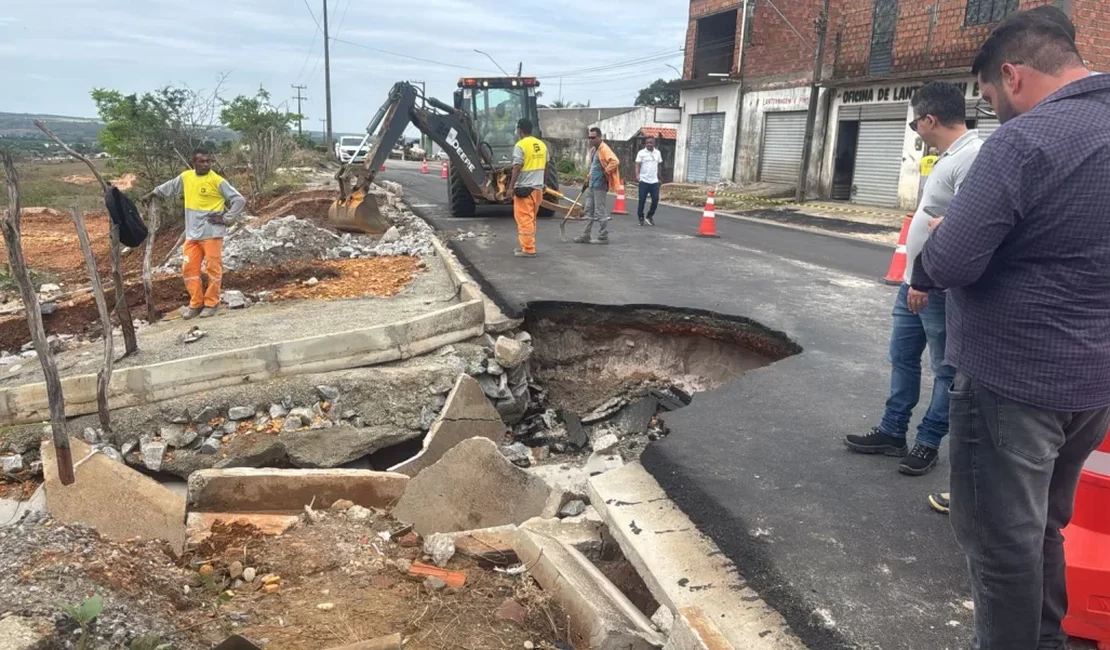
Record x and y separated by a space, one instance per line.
984 12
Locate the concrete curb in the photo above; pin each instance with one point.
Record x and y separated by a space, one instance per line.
496 320
324 353
684 569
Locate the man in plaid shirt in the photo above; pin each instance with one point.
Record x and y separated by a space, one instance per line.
1024 252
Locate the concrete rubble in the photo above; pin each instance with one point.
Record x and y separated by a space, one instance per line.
471 486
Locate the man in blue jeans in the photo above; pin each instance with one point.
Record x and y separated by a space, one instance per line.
919 318
649 167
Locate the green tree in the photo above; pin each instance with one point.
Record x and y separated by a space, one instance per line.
265 133
153 134
659 93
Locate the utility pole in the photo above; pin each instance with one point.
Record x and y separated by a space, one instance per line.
299 98
327 77
822 25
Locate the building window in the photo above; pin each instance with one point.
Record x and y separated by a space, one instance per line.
715 44
707 105
983 12
749 18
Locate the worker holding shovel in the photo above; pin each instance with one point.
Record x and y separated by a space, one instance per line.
207 216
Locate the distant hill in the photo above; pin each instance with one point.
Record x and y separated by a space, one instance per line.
77 129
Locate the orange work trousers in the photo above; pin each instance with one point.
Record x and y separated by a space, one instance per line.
525 211
209 251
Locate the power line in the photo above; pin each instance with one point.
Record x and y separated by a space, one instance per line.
307 55
342 18
313 16
407 56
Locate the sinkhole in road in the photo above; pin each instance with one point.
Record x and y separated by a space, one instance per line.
585 354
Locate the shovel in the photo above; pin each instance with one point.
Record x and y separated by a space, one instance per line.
570 211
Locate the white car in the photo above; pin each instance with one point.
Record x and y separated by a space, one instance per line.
347 149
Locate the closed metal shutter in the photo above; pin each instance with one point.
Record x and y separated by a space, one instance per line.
783 138
987 126
703 152
878 163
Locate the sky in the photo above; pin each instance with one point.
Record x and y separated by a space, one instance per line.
53 52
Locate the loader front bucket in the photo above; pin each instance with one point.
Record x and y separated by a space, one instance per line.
358 213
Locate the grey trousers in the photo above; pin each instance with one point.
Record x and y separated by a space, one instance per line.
1015 468
595 205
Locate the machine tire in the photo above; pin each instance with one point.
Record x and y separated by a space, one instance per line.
458 195
550 179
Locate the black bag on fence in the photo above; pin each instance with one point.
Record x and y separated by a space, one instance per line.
132 230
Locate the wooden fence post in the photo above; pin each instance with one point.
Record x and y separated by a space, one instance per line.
104 375
18 268
154 219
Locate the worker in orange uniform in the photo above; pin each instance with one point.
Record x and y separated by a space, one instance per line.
529 166
207 215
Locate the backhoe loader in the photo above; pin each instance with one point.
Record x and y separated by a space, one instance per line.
477 134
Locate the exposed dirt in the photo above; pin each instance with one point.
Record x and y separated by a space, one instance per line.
379 276
50 245
19 486
339 584
309 204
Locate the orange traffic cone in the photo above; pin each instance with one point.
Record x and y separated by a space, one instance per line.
1087 549
708 226
618 206
443 170
896 274
424 166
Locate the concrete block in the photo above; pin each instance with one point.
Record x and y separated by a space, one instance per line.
500 540
601 617
684 569
466 414
693 630
471 486
243 489
116 500
582 535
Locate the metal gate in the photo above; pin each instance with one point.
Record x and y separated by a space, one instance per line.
987 126
783 139
884 18
703 150
878 163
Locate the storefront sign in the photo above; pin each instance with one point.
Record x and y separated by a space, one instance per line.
786 102
898 93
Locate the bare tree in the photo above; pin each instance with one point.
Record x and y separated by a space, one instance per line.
123 312
104 375
153 219
18 268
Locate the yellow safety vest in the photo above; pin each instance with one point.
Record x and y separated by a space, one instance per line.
535 154
202 193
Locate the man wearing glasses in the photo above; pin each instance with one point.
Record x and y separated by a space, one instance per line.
603 174
919 317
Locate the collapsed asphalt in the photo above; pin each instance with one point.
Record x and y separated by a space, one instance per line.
842 545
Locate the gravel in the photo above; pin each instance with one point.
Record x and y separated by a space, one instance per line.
50 566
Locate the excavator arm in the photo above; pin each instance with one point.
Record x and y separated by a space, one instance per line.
356 210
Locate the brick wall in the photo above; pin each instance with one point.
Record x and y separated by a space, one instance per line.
929 35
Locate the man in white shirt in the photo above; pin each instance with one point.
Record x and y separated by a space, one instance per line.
649 166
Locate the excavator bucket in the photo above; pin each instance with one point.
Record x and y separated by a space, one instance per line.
358 213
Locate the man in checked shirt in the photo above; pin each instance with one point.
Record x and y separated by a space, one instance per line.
1024 252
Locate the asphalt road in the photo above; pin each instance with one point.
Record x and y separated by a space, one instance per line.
844 546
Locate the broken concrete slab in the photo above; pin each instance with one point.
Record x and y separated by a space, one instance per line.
466 414
471 486
693 630
119 502
289 490
19 633
683 569
340 444
12 512
586 536
497 542
601 617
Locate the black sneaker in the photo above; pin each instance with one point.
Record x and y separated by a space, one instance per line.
920 461
582 239
604 241
650 222
939 501
877 442
641 222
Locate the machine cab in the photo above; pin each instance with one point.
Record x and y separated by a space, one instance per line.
496 104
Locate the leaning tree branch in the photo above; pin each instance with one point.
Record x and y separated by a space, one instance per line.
148 281
18 268
123 312
104 376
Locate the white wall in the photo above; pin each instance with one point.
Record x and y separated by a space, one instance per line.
625 126
727 95
756 105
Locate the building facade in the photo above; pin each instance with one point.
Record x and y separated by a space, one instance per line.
745 100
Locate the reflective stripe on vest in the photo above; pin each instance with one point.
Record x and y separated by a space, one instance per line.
202 193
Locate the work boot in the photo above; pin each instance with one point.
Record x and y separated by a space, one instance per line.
604 241
520 253
641 221
939 501
189 313
877 442
919 462
208 312
582 239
